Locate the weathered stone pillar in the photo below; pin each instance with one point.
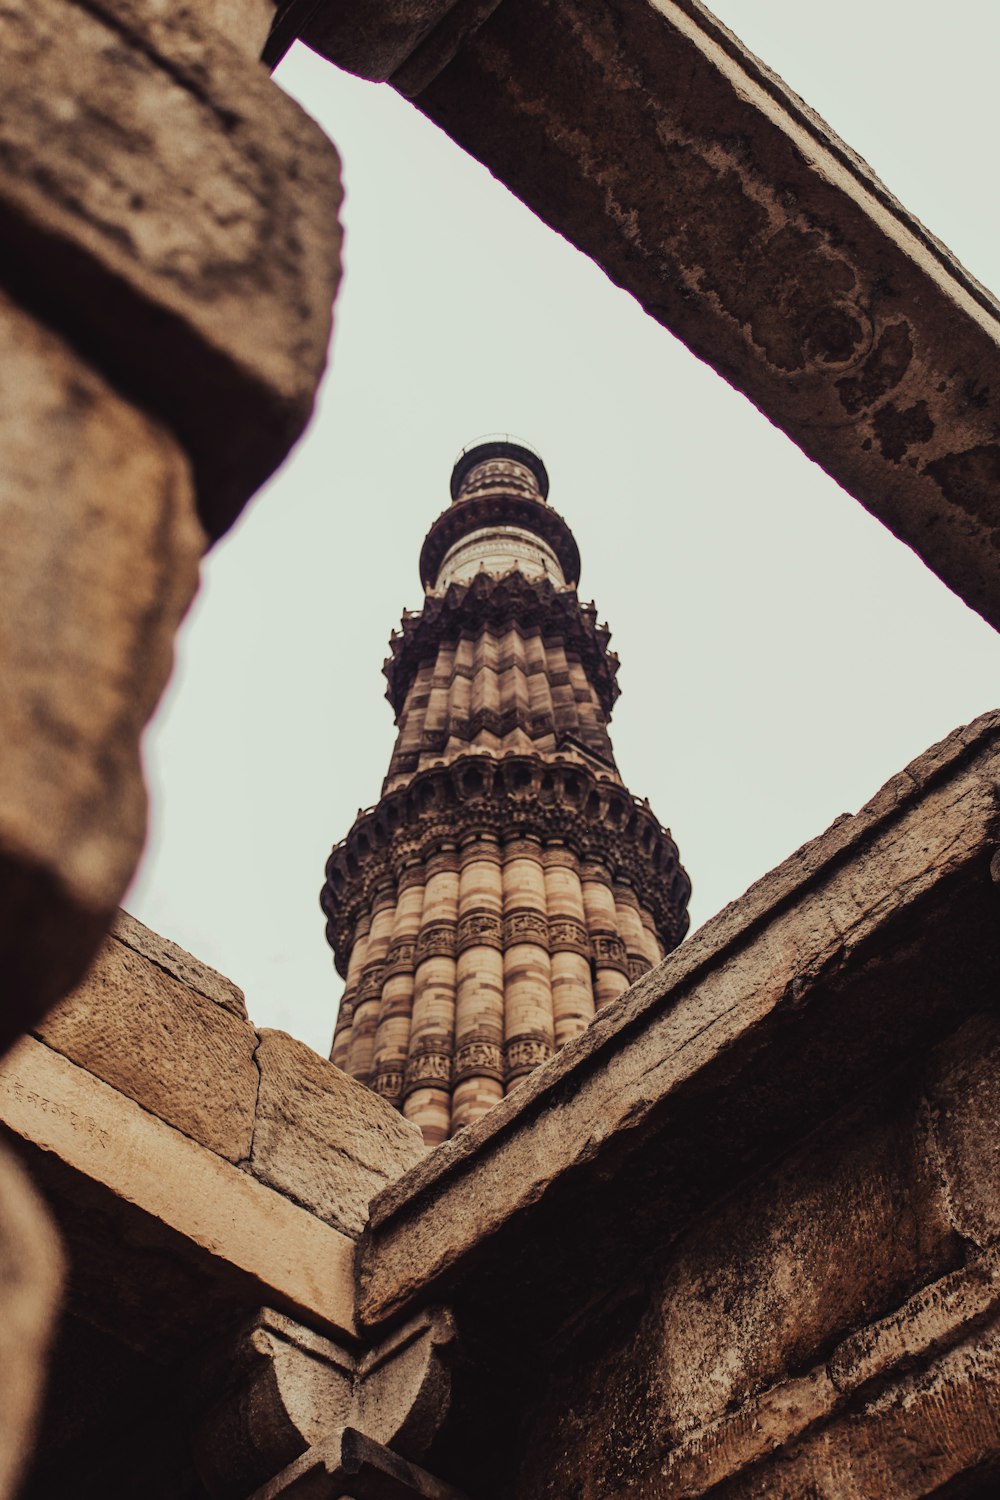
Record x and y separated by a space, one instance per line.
479 1024
606 946
427 1088
569 945
392 1039
528 1027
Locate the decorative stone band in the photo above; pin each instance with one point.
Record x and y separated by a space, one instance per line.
525 927
401 958
388 1082
371 984
522 1054
498 603
608 951
569 936
479 1057
429 1065
436 941
480 512
551 799
479 929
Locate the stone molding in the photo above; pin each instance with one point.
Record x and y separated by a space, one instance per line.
479 928
593 817
497 603
498 509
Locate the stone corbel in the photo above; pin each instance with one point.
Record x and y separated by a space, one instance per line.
285 1396
348 1466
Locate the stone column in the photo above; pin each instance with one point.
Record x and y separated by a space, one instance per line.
460 697
486 692
427 1086
479 1028
392 1039
366 1006
632 931
514 692
569 945
539 692
528 1026
606 946
435 730
340 1053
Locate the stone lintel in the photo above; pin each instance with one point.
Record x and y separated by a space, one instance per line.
865 945
163 1206
647 135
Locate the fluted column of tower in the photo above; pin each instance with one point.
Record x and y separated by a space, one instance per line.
507 885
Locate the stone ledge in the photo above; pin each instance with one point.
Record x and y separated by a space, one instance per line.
181 965
234 1229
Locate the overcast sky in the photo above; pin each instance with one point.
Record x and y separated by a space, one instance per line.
782 655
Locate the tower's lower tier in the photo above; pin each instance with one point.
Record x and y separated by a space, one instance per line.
482 914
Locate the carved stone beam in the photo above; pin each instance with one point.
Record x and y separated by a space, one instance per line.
346 1465
646 134
378 38
280 1390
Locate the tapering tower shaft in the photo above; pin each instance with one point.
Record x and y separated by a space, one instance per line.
507 885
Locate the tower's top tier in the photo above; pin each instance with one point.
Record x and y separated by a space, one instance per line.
498 522
498 461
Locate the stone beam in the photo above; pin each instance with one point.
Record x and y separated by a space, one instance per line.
654 141
848 959
170 1198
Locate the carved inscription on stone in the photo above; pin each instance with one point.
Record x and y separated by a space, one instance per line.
436 942
479 928
525 927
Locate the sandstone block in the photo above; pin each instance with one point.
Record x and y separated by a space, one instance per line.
166 205
176 1053
323 1139
183 966
99 553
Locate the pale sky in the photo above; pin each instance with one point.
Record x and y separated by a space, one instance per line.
782 655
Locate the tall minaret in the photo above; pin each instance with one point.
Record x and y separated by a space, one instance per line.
508 884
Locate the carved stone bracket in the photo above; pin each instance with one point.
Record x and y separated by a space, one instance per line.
347 1460
299 1410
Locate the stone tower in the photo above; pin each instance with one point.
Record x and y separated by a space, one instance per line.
508 884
